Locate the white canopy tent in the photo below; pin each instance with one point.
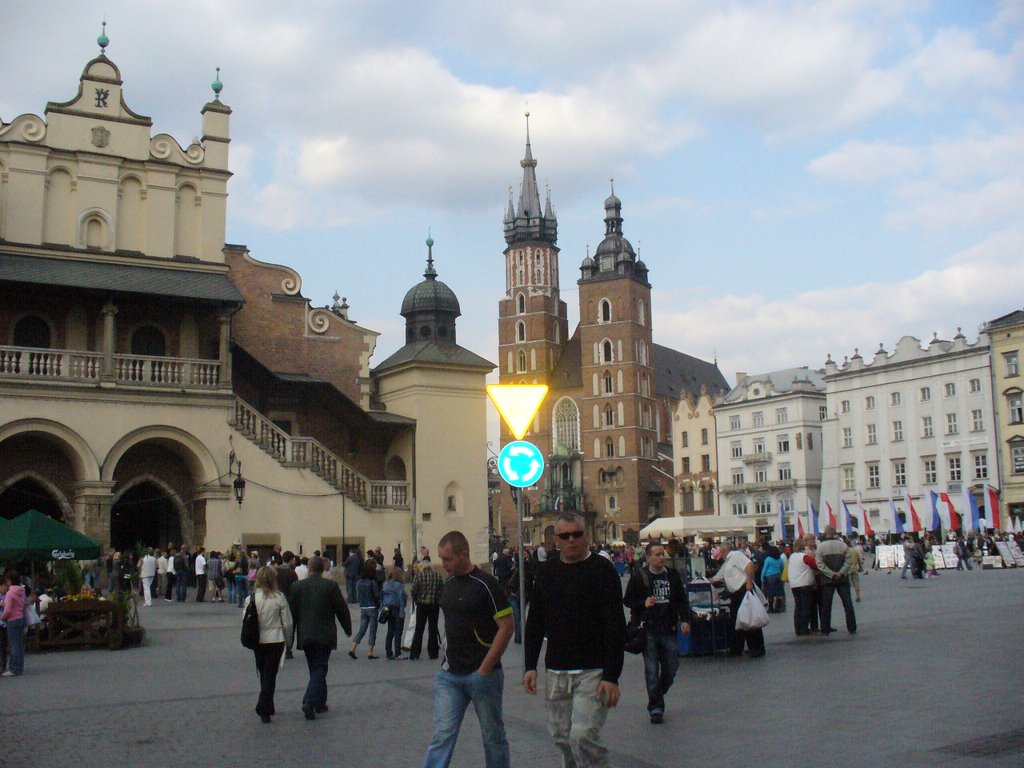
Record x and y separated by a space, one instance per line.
701 526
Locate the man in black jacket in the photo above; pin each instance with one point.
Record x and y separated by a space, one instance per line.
577 606
315 602
655 597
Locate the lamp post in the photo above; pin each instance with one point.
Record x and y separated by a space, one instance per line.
238 484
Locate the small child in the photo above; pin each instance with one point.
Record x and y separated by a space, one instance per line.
929 564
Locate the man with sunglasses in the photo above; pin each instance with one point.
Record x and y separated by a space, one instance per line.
577 606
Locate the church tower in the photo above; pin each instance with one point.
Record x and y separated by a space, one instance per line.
532 322
618 407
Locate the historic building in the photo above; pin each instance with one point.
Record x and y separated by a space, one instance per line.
147 368
917 420
1006 335
770 448
605 416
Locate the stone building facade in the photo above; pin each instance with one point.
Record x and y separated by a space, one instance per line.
1006 335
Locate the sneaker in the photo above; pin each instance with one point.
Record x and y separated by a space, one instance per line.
8 673
401 657
657 718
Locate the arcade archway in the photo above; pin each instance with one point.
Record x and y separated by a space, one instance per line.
146 514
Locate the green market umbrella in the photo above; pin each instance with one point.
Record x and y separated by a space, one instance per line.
38 537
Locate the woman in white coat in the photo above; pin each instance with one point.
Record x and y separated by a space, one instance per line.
275 631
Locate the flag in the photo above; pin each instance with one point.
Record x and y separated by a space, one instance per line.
781 524
971 505
914 519
936 520
799 526
847 519
815 523
865 523
954 518
831 517
992 507
895 524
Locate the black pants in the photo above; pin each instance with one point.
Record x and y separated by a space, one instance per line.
805 610
200 587
425 614
828 589
393 641
268 658
170 586
754 638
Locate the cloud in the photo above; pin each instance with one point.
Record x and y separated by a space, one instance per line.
757 333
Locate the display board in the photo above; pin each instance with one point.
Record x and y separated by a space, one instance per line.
940 559
1018 556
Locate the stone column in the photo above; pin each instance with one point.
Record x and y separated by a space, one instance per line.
92 502
224 350
109 339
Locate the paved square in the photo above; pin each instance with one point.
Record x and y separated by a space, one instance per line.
931 679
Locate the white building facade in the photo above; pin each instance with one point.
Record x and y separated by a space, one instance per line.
769 430
917 420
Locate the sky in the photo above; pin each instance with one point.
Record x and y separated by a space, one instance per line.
801 178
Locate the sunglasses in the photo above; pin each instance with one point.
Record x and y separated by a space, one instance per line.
570 535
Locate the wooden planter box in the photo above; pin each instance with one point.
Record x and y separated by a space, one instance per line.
76 624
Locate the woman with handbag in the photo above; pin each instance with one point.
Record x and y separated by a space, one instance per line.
368 593
394 599
13 616
275 619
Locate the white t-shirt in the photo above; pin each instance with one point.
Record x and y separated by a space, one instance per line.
200 565
734 570
542 554
301 571
148 569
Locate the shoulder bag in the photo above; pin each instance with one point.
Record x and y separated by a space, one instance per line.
251 625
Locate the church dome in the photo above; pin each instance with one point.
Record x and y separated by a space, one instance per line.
430 296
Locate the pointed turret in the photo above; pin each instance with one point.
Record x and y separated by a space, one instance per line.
528 223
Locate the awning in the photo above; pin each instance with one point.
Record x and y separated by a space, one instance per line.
696 525
119 278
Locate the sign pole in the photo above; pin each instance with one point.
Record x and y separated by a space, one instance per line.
522 574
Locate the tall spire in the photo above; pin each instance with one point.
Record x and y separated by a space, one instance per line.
529 195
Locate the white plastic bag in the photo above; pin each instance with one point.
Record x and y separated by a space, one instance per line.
752 613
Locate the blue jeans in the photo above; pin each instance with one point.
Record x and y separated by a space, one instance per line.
351 584
181 586
367 620
241 588
317 657
231 588
16 645
452 694
661 661
517 618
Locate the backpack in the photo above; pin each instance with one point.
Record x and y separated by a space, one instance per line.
251 625
180 565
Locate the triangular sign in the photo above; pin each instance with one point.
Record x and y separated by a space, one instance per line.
517 404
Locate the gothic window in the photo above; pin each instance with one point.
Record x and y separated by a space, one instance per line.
606 351
520 331
609 448
521 304
32 331
522 362
641 315
609 416
606 311
607 382
567 424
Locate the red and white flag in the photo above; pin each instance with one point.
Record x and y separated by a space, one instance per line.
951 516
914 519
865 523
992 507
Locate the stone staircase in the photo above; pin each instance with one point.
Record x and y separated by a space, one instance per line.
311 454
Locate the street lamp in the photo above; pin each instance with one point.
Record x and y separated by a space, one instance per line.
239 482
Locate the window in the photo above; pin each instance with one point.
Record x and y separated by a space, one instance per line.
704 436
609 448
955 475
612 503
521 304
897 431
567 424
848 481
734 422
761 476
844 407
899 473
686 465
705 462
926 394
975 386
950 389
686 440
873 476
847 437
872 434
822 412
785 471
980 466
521 362
520 331
32 331
783 443
758 445
737 477
977 421
781 415
1017 458
930 472
758 419
951 428
607 382
606 351
810 441
1011 363
606 311
736 449
609 416
895 398
869 402
739 507
927 430
763 506
149 341
1016 409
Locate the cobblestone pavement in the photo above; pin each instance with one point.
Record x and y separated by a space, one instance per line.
931 679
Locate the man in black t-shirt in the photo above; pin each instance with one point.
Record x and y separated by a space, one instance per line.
478 625
655 596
